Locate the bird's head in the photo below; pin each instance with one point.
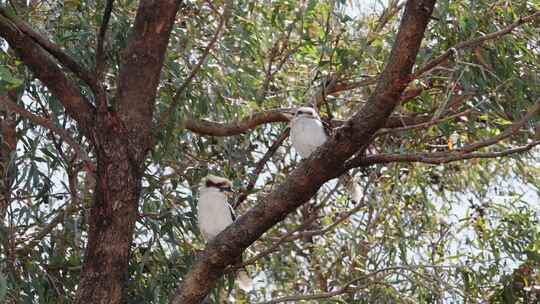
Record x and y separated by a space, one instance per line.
305 112
216 183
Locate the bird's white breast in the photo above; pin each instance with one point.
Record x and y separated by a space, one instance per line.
214 213
307 134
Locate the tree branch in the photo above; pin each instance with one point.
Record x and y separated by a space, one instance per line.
511 130
343 289
289 237
140 70
101 38
465 152
212 128
166 116
49 125
101 97
66 60
433 158
207 127
421 125
473 43
260 166
324 164
49 73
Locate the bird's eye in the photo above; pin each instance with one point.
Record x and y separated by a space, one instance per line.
226 189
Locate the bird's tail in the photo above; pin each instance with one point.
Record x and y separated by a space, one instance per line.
354 190
243 280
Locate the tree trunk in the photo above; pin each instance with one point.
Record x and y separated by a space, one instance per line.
112 220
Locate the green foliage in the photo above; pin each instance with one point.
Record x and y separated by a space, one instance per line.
458 233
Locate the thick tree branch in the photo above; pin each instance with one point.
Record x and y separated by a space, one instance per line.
49 125
53 49
50 74
207 127
121 145
324 164
213 128
141 67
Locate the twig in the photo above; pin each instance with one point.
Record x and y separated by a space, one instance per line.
344 289
309 233
423 125
267 251
79 151
166 116
433 158
47 229
101 38
462 153
471 44
260 166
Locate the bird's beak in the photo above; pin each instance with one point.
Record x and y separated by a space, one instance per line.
288 115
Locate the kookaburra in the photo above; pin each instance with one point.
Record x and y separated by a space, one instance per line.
215 214
308 133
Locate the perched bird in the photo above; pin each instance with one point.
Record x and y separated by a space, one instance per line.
215 214
308 133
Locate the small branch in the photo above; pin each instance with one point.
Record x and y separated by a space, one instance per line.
465 152
59 218
309 233
51 75
206 127
344 289
286 238
260 166
101 39
424 124
166 116
47 124
514 128
472 43
433 158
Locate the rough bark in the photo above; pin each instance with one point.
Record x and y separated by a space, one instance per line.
326 163
8 144
121 137
112 221
122 140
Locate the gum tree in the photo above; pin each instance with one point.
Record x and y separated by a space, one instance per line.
113 111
